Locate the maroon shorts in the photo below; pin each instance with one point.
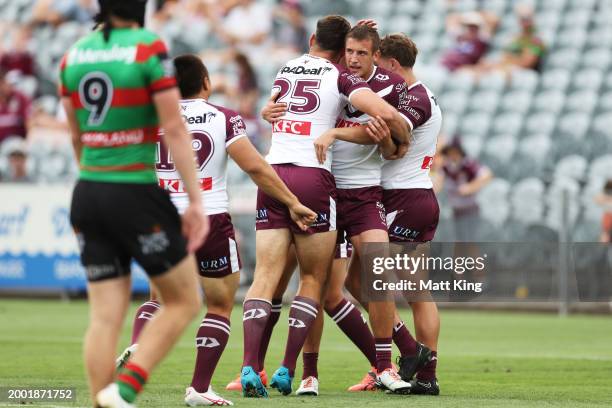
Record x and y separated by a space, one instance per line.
412 214
361 209
344 248
219 257
314 187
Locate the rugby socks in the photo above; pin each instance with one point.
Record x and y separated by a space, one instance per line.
256 313
428 372
211 340
404 341
301 316
144 313
352 323
383 353
277 304
130 381
310 365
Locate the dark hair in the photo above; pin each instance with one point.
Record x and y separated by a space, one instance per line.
331 33
400 47
363 32
248 78
190 74
132 10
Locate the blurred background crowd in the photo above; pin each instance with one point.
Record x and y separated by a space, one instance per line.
525 89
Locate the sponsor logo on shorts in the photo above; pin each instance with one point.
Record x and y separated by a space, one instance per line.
99 271
261 215
322 219
214 265
254 314
404 233
297 323
207 342
294 127
154 243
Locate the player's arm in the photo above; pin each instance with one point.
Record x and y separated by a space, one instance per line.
483 177
178 141
367 101
73 123
264 176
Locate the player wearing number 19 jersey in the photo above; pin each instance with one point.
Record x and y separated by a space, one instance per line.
115 89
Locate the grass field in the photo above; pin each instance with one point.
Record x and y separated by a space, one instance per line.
486 360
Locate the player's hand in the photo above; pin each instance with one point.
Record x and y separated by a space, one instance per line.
302 215
273 111
368 22
195 226
322 144
378 130
465 189
399 153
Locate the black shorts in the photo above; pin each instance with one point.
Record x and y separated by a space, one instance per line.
117 222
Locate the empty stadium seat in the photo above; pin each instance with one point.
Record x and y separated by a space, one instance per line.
575 125
484 101
549 101
555 79
541 122
517 101
475 124
601 168
565 58
573 166
598 58
524 79
508 123
528 189
455 101
588 79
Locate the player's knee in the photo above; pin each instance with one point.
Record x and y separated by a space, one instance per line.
221 305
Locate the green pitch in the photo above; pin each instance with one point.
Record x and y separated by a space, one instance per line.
486 360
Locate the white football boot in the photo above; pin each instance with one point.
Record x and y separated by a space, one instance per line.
391 380
308 386
125 356
194 398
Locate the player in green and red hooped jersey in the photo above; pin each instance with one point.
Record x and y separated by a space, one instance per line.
116 152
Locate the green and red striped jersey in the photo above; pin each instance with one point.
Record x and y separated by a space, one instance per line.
111 84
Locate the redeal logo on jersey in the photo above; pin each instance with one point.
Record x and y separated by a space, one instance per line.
195 120
295 127
301 70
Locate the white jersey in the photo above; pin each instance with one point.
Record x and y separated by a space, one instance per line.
412 171
355 165
213 129
315 91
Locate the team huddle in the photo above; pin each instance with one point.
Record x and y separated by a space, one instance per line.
353 137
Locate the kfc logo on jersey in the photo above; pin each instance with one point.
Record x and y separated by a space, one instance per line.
177 186
341 123
294 127
427 162
382 77
207 342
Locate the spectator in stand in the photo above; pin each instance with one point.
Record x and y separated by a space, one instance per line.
246 26
525 51
289 31
473 32
18 59
463 179
14 110
604 199
17 153
56 12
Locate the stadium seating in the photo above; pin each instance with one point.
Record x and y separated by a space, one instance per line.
539 132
